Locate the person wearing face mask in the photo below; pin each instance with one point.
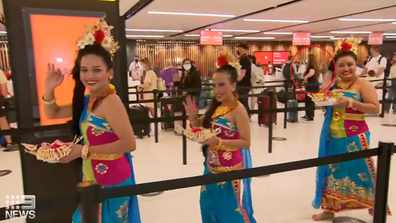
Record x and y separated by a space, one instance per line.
136 69
392 90
190 79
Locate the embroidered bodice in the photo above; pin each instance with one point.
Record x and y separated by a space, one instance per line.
225 159
347 122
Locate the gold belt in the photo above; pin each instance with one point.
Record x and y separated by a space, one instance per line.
108 157
348 116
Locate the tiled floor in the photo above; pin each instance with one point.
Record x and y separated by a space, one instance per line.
280 198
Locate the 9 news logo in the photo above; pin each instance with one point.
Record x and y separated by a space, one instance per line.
20 206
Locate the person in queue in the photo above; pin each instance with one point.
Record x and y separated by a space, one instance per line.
244 79
4 125
190 80
347 185
149 84
311 79
228 151
101 118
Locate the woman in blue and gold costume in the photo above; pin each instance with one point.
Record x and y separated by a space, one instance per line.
347 185
229 151
100 118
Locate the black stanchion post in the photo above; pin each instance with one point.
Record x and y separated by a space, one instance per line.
383 98
286 100
89 204
382 184
184 139
155 92
270 120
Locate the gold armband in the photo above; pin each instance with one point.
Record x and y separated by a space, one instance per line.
85 152
350 102
220 144
52 102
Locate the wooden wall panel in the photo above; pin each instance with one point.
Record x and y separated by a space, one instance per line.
174 51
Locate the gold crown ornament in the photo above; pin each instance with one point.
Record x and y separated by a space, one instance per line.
98 33
225 57
354 42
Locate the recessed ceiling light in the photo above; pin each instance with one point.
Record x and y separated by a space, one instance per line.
390 37
196 35
191 14
336 38
144 36
235 30
3 31
393 22
258 37
278 33
275 20
351 32
389 34
367 20
321 37
155 30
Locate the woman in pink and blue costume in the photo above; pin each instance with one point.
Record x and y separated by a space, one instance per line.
225 202
100 118
347 185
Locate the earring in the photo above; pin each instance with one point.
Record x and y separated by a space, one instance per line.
111 77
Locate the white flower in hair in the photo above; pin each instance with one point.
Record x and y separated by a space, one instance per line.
98 33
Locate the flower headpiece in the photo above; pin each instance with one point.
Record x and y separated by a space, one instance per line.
226 58
353 42
346 47
99 33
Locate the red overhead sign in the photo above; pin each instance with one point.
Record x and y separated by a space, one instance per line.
376 39
211 38
302 39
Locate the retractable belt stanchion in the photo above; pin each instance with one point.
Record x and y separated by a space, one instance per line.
155 92
286 106
184 139
270 120
382 184
89 203
383 98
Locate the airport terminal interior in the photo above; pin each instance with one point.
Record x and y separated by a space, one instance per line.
169 32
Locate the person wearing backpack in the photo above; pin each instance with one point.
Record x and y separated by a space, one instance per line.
288 73
377 63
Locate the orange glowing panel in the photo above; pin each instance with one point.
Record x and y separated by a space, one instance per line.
55 42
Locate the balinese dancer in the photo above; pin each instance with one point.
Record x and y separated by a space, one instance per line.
229 151
100 117
347 185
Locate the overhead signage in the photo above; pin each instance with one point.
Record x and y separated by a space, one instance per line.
301 39
376 39
211 38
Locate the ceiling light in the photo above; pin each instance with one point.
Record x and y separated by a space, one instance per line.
196 35
367 20
258 37
144 36
389 34
3 32
275 20
155 30
351 32
191 14
279 33
234 30
337 38
321 37
393 22
390 37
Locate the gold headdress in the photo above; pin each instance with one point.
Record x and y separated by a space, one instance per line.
354 42
225 57
99 33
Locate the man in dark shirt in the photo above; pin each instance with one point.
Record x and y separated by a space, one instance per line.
244 83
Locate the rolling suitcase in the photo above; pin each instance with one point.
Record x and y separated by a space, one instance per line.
140 113
264 104
292 116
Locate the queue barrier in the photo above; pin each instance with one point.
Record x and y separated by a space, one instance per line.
90 195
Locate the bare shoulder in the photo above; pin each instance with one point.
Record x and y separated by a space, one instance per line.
240 109
364 83
112 101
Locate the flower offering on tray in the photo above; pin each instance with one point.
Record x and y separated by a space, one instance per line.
197 134
324 99
51 152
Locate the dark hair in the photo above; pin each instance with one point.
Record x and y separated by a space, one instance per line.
192 70
290 57
233 76
312 64
79 88
253 59
341 54
376 48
